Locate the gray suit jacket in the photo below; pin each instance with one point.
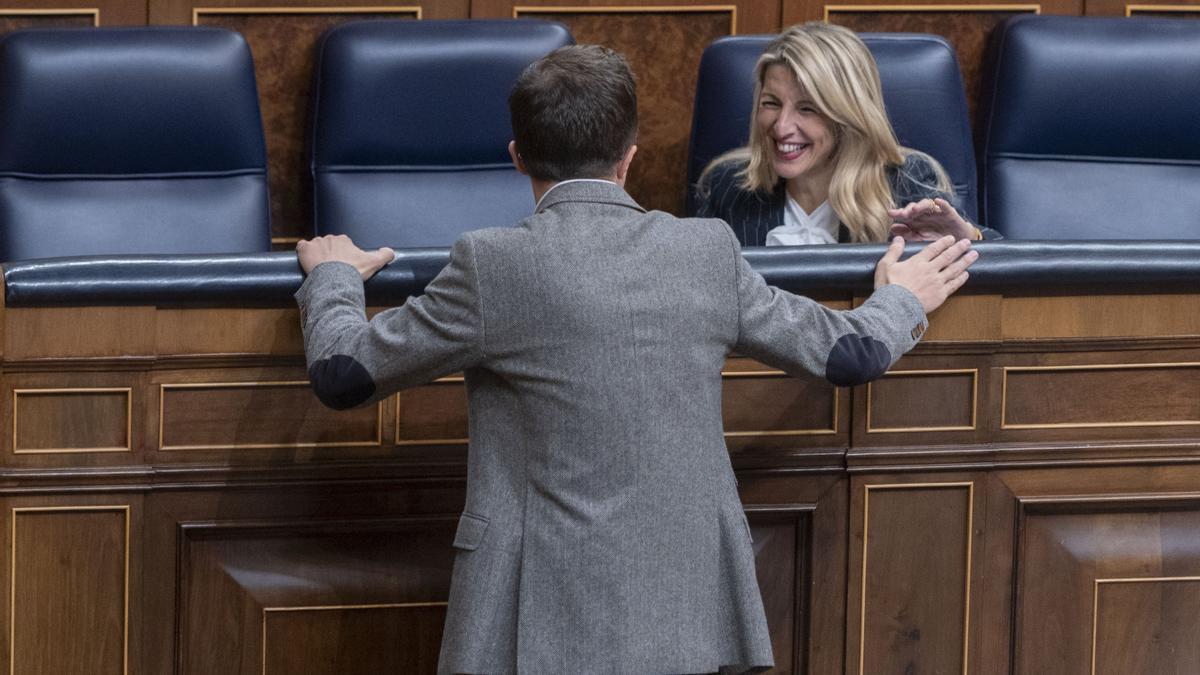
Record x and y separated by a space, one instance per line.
603 531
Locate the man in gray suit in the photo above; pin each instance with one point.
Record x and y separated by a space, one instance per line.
602 531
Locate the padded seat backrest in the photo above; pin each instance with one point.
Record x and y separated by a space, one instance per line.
411 128
922 91
1092 129
130 140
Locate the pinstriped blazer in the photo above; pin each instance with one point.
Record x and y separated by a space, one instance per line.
603 531
752 214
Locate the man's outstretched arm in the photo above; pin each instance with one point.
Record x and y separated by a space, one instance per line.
850 347
352 361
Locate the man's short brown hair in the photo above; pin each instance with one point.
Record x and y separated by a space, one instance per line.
574 113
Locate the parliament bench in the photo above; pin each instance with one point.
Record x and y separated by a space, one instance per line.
1032 463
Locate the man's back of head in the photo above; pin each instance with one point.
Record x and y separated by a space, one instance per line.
574 113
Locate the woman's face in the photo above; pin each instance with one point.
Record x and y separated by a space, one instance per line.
799 139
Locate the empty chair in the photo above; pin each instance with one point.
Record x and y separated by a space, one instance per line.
130 140
411 128
922 91
1091 130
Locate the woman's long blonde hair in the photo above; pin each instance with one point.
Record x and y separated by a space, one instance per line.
834 68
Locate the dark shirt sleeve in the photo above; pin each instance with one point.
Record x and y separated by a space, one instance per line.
717 191
749 214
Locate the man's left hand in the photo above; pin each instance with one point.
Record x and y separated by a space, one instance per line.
339 248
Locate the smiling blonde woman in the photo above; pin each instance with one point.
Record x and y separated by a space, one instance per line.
823 164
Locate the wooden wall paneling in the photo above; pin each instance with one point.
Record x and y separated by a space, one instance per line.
323 539
212 416
782 540
936 405
1158 10
1122 642
433 415
966 25
353 639
49 14
1099 395
1163 11
666 68
1157 315
77 332
343 548
767 408
249 415
993 589
227 331
70 420
965 317
49 17
1048 529
363 595
73 593
911 567
1102 395
1110 585
914 401
773 419
798 522
283 39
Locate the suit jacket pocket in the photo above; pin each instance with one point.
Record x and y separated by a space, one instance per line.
470 531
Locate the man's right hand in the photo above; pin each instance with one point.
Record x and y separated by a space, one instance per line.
933 274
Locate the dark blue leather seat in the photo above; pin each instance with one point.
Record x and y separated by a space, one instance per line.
922 91
1091 130
411 128
144 140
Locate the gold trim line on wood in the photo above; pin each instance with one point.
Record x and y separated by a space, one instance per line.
783 432
128 391
1088 425
162 390
973 372
93 12
1137 580
1183 9
286 240
385 605
197 12
12 591
399 605
432 441
862 616
632 9
1108 366
1128 580
850 9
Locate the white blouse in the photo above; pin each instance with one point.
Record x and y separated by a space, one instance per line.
800 228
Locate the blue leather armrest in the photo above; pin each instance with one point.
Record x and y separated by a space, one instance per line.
270 279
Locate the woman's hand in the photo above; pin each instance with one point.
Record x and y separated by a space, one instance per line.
930 219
